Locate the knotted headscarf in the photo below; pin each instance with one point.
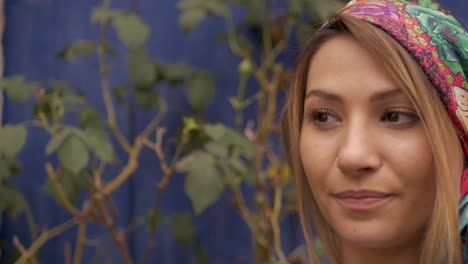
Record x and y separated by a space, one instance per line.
439 43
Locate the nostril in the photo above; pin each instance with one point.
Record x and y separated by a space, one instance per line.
358 160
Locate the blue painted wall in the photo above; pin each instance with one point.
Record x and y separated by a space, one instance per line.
36 30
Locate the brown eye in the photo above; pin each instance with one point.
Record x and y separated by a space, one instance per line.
321 117
399 117
392 117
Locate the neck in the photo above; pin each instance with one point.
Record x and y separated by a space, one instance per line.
402 255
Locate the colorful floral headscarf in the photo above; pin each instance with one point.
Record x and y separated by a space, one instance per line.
439 43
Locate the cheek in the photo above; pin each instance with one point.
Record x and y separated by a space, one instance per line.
316 155
411 161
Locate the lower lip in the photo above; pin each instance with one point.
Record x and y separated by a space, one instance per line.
363 203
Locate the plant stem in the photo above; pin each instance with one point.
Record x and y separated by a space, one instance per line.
31 223
243 79
119 238
61 193
232 41
128 170
107 97
22 250
152 125
246 215
43 238
79 242
277 204
266 32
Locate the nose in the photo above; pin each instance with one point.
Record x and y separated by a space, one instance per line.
358 154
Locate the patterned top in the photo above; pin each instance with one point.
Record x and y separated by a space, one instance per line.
439 43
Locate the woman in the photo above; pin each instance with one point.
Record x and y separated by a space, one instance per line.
375 130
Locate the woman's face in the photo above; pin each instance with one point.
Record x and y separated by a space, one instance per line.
364 150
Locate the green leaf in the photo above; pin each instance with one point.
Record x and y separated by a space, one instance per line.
98 141
154 218
103 15
11 201
217 7
90 118
57 140
190 18
12 140
5 174
17 89
79 49
176 72
189 4
72 185
250 175
73 154
120 93
199 91
237 165
131 30
200 253
244 146
303 33
141 69
215 132
324 8
296 6
182 229
217 149
147 99
8 168
203 184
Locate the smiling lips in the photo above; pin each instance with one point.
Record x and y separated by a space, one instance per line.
362 199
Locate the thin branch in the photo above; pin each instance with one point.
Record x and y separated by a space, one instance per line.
161 156
97 174
118 237
23 250
275 223
30 220
154 123
246 214
128 170
168 171
113 207
18 245
43 238
266 32
81 237
67 254
61 193
232 41
107 97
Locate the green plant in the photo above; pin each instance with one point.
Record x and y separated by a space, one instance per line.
80 153
213 156
247 154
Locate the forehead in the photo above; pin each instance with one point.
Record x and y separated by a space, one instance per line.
343 66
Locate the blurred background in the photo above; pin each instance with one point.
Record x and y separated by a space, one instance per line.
204 67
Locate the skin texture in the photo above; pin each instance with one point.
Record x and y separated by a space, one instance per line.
360 132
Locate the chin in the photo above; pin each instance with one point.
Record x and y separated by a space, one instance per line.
367 235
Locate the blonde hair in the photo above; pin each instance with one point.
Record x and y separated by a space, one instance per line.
441 240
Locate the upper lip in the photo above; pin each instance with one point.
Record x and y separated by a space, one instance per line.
361 194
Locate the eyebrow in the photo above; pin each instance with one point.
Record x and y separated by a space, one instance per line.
334 97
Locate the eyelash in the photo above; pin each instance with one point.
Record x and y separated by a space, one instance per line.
313 114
